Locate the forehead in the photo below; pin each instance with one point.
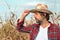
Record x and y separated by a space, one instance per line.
36 13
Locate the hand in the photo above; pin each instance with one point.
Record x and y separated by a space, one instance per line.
25 13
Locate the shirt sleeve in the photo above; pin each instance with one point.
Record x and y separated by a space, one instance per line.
20 24
21 27
32 29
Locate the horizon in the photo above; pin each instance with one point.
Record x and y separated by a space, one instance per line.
18 6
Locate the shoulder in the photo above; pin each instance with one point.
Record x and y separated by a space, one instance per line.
34 25
56 27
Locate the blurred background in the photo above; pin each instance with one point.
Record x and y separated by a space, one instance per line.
11 10
18 6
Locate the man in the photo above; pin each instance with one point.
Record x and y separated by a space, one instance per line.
43 29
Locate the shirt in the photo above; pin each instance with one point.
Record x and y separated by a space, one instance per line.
33 30
43 33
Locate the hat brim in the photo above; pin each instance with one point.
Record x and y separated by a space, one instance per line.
42 10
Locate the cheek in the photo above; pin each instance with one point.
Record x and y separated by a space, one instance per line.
35 16
39 16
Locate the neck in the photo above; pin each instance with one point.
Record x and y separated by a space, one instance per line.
45 24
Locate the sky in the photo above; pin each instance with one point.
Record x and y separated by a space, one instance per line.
18 6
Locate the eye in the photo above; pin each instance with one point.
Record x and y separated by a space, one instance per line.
35 12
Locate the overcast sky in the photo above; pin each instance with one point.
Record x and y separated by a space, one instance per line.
17 6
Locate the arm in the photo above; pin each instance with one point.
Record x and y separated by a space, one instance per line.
20 21
20 24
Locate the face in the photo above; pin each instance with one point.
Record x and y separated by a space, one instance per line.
39 18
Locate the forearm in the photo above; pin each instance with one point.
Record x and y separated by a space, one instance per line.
20 22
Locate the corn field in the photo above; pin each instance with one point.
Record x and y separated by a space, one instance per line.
9 33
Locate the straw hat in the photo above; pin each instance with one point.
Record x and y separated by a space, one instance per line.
41 8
